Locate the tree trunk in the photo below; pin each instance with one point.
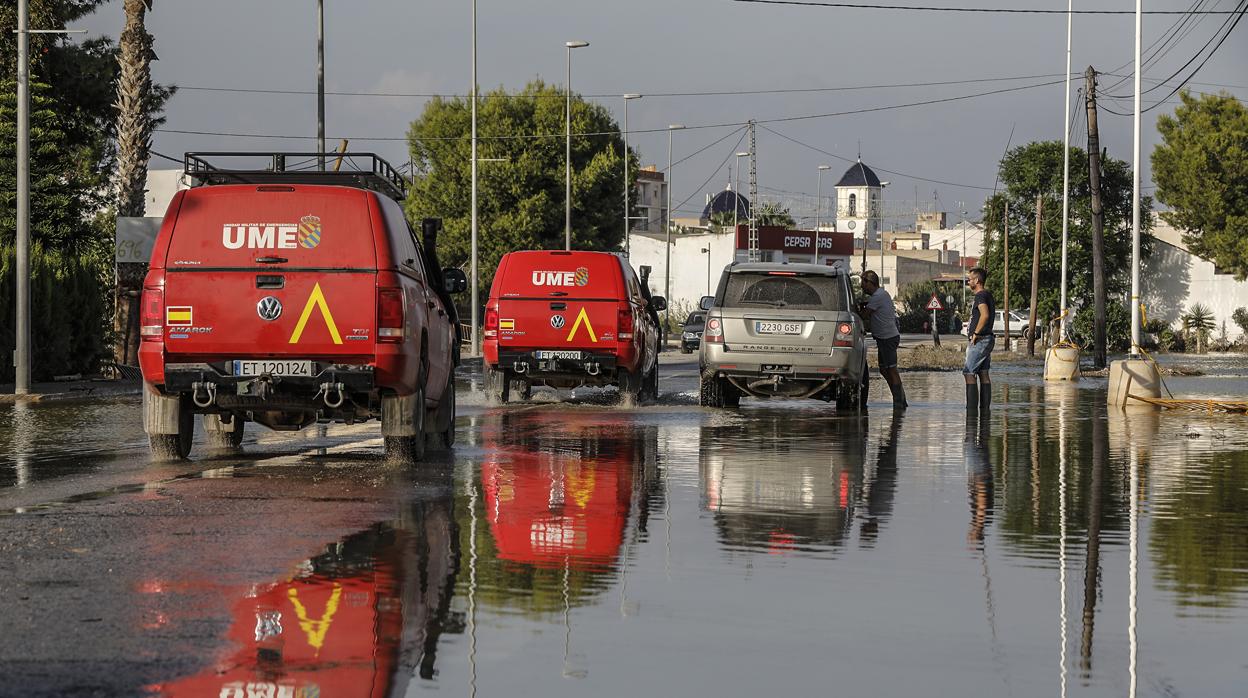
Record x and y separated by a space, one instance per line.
134 140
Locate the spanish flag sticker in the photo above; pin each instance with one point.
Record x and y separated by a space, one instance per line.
507 324
178 316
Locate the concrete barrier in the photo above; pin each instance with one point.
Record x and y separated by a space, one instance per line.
1061 363
1133 377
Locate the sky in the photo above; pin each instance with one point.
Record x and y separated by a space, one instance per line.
943 155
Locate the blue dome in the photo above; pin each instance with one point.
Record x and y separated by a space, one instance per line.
723 203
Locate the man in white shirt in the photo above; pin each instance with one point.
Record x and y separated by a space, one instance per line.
881 316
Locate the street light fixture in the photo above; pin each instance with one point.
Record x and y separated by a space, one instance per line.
667 265
818 209
567 173
628 227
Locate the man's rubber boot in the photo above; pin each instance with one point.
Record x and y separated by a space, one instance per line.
985 397
899 395
972 397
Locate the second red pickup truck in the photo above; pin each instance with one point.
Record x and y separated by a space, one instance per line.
566 319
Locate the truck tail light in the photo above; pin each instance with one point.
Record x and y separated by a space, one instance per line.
491 321
844 335
624 323
151 306
389 314
714 332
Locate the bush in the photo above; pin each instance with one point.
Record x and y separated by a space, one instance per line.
69 313
1240 316
912 313
1117 328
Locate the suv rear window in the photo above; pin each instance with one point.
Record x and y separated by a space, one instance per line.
787 290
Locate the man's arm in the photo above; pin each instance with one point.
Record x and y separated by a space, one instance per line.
983 320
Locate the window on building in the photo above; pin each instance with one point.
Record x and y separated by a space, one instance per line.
853 205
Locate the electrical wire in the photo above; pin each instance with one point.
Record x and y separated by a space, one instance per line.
985 10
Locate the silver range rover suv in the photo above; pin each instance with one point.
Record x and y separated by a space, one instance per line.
783 330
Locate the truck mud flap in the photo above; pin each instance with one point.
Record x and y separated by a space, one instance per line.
398 415
160 412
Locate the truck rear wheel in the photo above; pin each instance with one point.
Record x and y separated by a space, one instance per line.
650 383
222 436
631 387
497 385
409 450
173 447
442 438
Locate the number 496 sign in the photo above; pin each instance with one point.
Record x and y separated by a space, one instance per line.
934 303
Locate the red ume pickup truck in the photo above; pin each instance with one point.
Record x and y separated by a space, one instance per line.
566 319
286 296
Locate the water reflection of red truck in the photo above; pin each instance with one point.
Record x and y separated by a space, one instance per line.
360 620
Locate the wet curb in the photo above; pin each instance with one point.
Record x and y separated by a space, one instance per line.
80 391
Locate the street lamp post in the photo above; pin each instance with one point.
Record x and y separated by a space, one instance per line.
818 209
667 265
628 225
320 78
707 251
476 290
567 170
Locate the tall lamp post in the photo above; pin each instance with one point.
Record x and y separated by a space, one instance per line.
667 265
628 221
818 209
567 170
320 75
736 194
707 251
476 290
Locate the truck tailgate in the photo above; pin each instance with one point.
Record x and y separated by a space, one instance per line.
558 323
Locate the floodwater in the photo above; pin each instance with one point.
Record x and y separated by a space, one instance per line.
571 548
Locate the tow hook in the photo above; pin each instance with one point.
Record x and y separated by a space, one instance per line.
593 369
328 389
209 390
521 367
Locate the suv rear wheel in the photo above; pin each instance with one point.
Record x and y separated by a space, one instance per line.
409 449
854 397
717 392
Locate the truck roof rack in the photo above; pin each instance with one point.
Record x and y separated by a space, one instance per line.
361 170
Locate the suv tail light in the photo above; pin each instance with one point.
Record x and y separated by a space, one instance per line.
389 314
714 332
624 323
151 306
491 321
844 335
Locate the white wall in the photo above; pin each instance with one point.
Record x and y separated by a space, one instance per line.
161 186
689 275
1173 279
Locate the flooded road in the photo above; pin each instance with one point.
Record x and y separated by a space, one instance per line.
568 547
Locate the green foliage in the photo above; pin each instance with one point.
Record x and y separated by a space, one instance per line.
1200 168
911 301
1117 327
771 213
69 307
520 199
1240 316
1198 325
1036 169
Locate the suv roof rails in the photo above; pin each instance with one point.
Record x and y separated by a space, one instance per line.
361 170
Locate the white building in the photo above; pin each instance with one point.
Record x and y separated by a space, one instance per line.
649 200
1173 279
858 207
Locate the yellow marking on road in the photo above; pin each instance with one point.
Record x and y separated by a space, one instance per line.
583 316
316 300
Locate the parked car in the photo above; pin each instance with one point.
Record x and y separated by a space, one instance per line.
783 330
1018 325
568 318
691 331
287 297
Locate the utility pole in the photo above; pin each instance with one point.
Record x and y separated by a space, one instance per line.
1098 224
21 354
1006 296
1035 278
753 253
320 83
476 288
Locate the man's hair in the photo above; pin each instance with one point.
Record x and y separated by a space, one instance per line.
979 274
871 276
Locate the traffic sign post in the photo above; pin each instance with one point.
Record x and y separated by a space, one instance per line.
933 305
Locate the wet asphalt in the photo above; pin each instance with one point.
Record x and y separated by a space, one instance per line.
570 547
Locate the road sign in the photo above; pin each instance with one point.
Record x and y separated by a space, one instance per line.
934 303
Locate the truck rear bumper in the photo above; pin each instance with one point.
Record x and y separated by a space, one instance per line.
586 368
213 388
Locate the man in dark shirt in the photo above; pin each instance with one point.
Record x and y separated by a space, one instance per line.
980 342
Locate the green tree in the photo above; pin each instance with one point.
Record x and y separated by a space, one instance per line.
772 213
521 197
1035 169
1201 167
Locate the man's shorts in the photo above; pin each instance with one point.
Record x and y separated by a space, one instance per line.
979 355
886 349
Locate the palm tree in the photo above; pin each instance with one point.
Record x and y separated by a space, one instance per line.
134 141
770 213
720 221
1199 321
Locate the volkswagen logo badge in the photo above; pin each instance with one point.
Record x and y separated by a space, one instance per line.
557 322
269 308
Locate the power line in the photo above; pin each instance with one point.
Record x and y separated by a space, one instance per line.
986 10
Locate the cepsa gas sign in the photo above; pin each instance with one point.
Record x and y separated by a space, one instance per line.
798 241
